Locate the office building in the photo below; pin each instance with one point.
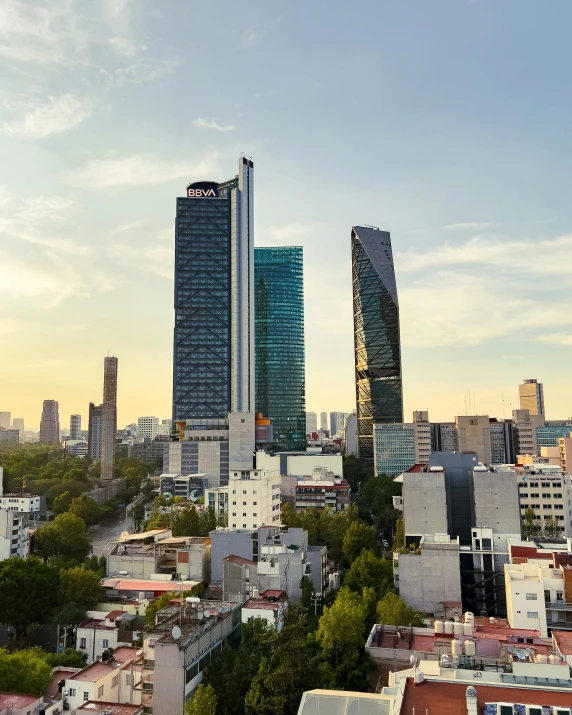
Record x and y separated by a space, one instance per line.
77 447
338 423
547 435
531 394
5 418
9 435
75 427
311 422
324 425
18 423
397 447
548 491
525 435
149 451
213 360
279 343
94 432
50 423
376 335
350 436
301 464
253 499
147 427
444 437
501 434
474 435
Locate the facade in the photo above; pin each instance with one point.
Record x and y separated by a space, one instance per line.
474 435
50 423
397 447
147 427
9 435
5 419
269 606
531 394
300 464
213 362
324 426
548 434
108 418
149 451
75 427
444 437
350 435
101 630
279 343
338 423
548 491
525 425
77 447
94 433
33 506
253 499
239 578
18 423
377 345
322 490
311 422
14 535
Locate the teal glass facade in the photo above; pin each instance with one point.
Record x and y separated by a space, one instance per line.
394 448
548 435
279 343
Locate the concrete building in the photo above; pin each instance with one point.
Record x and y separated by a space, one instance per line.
75 426
14 535
239 578
31 505
5 420
531 394
18 423
253 498
322 490
176 650
76 447
9 435
108 419
350 437
444 437
149 451
102 630
94 432
50 423
147 427
324 425
525 425
474 435
311 422
269 606
190 487
338 423
20 704
301 464
548 492
397 447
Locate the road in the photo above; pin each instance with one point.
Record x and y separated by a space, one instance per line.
104 536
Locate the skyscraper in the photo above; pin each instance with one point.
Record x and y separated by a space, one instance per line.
311 422
75 426
18 423
5 419
213 358
324 425
50 423
279 343
338 423
531 393
108 418
379 396
94 432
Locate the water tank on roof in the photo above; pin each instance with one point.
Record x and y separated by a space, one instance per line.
449 627
554 659
470 618
457 647
141 595
458 628
541 658
439 627
470 648
467 630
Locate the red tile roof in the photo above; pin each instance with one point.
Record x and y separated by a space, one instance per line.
447 698
530 552
240 561
16 700
563 640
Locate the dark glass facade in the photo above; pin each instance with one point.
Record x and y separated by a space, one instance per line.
376 335
279 343
201 359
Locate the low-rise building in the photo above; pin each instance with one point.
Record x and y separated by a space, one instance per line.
322 490
100 631
14 535
20 704
121 588
300 464
240 579
77 447
190 487
269 606
548 491
30 504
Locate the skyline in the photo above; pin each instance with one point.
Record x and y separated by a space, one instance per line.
477 209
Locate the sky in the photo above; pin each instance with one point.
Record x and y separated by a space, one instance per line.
446 123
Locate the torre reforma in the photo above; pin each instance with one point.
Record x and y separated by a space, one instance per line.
379 396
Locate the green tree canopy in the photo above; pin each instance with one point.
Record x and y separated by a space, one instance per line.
359 536
531 526
399 536
342 625
392 611
24 672
370 571
62 503
70 657
28 592
86 508
65 540
81 587
203 701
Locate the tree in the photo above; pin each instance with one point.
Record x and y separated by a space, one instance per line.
552 528
358 537
308 592
163 601
342 625
186 522
80 587
86 508
137 514
392 611
70 658
97 564
62 503
64 541
203 701
530 524
24 672
28 592
399 536
370 571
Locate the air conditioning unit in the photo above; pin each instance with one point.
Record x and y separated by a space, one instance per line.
123 573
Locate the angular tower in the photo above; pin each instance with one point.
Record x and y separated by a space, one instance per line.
379 397
50 423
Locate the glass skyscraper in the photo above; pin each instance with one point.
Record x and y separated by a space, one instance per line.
279 343
376 335
213 355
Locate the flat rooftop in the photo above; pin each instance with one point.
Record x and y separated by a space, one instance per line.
109 708
563 640
134 584
192 619
10 701
95 672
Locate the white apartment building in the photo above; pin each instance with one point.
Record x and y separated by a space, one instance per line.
14 535
147 427
549 492
22 503
253 498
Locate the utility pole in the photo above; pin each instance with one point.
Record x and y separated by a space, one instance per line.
316 598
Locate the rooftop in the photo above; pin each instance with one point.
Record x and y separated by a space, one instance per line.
193 620
95 671
108 708
563 640
124 653
16 700
144 535
133 584
239 560
60 673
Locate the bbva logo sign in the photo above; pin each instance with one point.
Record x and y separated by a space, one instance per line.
201 193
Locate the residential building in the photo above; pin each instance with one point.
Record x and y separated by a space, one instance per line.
75 426
50 423
177 649
190 487
269 606
379 395
147 427
109 418
239 578
300 464
102 630
322 490
213 369
253 498
324 426
311 422
397 447
548 491
281 567
14 535
350 436
474 435
279 343
444 437
531 394
18 423
94 432
33 506
20 704
122 589
5 420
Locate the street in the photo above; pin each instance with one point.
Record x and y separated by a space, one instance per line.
104 536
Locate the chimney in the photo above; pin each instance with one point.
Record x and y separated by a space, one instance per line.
471 701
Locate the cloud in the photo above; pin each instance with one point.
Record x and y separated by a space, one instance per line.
248 38
471 226
156 259
556 338
125 227
47 277
289 234
137 170
125 46
56 116
212 124
8 325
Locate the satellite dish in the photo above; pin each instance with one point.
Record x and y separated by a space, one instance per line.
176 632
124 535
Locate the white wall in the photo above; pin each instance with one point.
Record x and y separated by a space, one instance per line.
524 597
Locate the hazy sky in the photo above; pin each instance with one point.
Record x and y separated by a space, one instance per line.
445 122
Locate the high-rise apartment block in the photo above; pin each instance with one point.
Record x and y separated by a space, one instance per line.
213 363
279 343
75 426
376 335
324 425
531 393
50 423
108 418
147 427
94 432
311 422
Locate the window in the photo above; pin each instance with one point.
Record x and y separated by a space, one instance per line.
105 643
85 695
532 614
524 495
243 503
244 513
244 526
547 506
114 681
531 597
72 692
534 711
558 496
234 503
244 491
254 514
82 643
534 485
506 710
559 595
546 496
546 485
234 491
128 680
234 513
254 491
254 503
100 691
535 496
